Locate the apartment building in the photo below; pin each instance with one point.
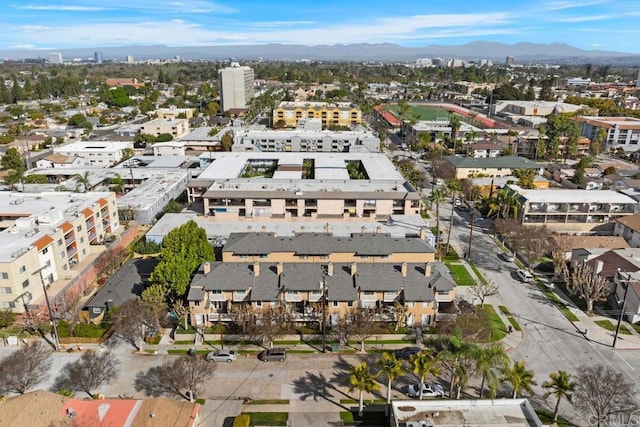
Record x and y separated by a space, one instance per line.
236 87
174 127
95 153
471 167
621 132
288 114
300 140
44 235
573 210
174 113
313 185
394 276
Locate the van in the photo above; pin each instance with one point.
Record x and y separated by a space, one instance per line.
273 354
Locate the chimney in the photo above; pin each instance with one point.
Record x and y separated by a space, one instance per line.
330 269
326 229
598 267
363 230
427 269
302 229
249 229
378 229
354 268
403 269
423 233
263 229
256 268
279 268
206 267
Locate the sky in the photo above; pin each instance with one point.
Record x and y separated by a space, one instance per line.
58 24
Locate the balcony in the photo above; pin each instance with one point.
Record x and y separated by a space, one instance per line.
71 251
69 240
390 296
292 297
315 296
240 296
368 303
217 296
443 297
219 317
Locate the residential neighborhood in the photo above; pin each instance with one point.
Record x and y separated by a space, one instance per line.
251 242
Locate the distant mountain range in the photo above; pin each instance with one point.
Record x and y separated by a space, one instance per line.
522 52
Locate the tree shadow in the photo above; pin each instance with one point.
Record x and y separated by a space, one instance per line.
316 386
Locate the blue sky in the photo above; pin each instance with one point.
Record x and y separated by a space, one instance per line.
587 24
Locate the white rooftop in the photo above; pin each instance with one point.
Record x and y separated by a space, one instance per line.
572 196
85 146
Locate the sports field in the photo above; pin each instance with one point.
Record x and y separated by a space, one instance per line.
426 113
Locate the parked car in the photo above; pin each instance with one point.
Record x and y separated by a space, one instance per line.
277 354
428 390
222 356
524 275
508 257
406 352
419 424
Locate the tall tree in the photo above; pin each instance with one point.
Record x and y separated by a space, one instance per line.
362 380
89 373
12 159
83 180
182 377
23 369
391 368
457 355
489 361
453 189
134 320
520 378
601 392
484 290
455 123
588 285
561 386
117 184
424 364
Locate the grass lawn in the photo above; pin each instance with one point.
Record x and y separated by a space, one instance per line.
475 270
557 302
183 342
513 321
267 418
172 351
461 275
270 402
498 329
610 326
425 112
547 418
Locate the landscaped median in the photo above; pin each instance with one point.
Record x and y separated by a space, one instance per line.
557 302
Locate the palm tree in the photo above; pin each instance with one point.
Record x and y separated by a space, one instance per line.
489 361
391 368
363 380
560 385
117 184
519 377
453 188
457 356
438 196
82 180
424 364
454 122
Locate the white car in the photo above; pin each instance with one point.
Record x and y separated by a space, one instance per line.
428 390
524 275
222 356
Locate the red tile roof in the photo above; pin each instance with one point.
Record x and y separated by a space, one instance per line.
43 242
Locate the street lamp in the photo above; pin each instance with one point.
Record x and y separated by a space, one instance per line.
624 304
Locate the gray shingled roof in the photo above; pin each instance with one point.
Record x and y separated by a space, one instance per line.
322 244
126 284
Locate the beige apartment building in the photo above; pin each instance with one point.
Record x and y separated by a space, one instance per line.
174 127
313 185
44 236
393 276
288 114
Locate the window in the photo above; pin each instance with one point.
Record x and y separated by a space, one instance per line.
335 303
5 290
425 304
96 310
216 292
4 275
25 283
196 303
263 256
59 242
23 269
243 257
411 304
303 257
79 228
82 240
258 303
45 250
9 304
48 264
364 256
350 304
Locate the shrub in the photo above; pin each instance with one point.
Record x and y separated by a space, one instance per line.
88 330
242 421
64 329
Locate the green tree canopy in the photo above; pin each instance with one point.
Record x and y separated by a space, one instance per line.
12 160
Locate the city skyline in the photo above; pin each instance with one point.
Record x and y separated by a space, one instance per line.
587 24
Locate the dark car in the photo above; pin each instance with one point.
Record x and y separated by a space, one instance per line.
406 352
277 354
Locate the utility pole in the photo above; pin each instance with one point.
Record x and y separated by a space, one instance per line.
624 304
56 342
324 311
473 217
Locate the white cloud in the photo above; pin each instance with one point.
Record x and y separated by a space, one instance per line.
271 24
585 18
562 5
62 8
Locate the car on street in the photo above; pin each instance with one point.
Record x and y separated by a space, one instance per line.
428 390
273 354
222 356
406 352
524 275
508 257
